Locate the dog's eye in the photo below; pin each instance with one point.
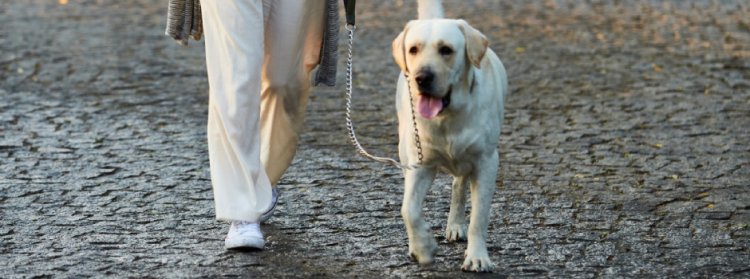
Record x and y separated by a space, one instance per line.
413 50
444 50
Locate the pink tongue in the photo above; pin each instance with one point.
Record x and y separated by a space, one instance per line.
429 107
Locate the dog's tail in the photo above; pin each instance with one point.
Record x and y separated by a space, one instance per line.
430 9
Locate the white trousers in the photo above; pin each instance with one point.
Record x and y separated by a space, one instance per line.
259 56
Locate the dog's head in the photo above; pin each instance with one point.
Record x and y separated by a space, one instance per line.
437 55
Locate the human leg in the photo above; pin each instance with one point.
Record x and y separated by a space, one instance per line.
234 55
293 37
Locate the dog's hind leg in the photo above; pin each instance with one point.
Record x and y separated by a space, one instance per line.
422 244
482 188
455 230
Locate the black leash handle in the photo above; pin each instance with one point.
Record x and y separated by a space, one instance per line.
349 8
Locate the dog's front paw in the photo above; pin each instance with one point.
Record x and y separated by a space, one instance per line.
424 252
455 232
477 263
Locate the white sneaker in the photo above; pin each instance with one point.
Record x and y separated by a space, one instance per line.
274 199
244 235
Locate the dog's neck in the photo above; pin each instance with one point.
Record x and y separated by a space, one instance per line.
468 84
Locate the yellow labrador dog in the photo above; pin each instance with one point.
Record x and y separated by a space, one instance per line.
457 86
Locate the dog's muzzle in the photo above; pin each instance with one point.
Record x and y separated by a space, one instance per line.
425 80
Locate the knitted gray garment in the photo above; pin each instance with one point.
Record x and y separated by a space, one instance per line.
184 23
184 20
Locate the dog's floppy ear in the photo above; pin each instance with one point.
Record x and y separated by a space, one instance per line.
399 50
476 43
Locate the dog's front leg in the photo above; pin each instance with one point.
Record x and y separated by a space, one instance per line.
456 228
482 188
422 244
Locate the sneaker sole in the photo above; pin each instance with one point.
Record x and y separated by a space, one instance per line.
257 243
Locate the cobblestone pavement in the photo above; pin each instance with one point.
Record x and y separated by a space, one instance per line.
624 153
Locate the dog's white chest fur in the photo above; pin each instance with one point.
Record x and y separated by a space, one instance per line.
451 146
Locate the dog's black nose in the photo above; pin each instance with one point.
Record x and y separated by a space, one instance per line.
424 78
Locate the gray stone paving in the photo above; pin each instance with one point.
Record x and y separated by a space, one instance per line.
624 153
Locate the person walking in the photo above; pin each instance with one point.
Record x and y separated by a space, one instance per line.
260 55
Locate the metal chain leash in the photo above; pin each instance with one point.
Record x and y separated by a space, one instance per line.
350 126
417 143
